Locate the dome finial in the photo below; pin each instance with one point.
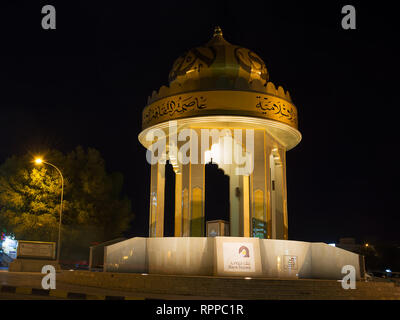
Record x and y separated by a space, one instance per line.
217 32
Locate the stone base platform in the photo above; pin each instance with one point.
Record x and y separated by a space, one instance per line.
31 265
193 287
231 257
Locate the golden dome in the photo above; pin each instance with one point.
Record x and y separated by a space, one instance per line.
224 81
218 64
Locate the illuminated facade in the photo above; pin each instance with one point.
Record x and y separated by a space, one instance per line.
225 87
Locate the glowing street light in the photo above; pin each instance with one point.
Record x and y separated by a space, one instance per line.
40 161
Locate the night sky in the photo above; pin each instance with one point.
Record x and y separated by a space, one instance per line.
86 83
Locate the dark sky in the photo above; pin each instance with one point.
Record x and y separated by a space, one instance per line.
86 83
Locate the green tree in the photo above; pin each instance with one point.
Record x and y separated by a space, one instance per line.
93 208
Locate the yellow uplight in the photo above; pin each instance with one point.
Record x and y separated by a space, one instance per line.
38 160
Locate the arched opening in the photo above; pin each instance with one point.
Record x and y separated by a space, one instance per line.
217 204
169 201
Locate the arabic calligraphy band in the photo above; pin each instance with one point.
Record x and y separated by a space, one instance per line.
220 102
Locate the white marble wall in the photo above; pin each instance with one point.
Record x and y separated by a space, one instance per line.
181 255
211 256
127 256
327 261
274 255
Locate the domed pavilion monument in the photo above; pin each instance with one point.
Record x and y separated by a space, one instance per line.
225 87
220 107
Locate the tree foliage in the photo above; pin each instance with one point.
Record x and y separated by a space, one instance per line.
93 208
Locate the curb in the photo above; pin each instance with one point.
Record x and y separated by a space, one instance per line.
63 294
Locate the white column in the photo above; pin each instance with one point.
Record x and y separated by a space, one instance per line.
156 219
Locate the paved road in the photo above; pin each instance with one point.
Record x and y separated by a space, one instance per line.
34 279
14 296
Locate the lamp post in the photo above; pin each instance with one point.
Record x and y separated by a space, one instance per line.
40 161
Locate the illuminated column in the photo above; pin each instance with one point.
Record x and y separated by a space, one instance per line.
272 195
284 187
197 197
269 145
156 221
244 208
243 192
177 166
234 199
280 219
178 205
185 180
258 187
192 186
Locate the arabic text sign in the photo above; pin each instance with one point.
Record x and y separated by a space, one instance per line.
290 262
238 257
30 249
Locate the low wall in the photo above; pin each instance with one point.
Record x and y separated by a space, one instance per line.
327 261
31 265
229 256
96 253
286 259
127 256
184 256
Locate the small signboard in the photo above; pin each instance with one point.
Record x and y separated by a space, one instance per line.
290 262
36 250
238 257
217 228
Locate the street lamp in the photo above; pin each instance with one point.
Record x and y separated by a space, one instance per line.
40 161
